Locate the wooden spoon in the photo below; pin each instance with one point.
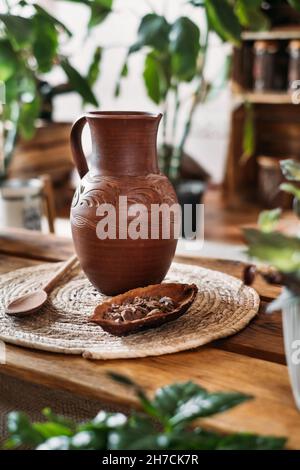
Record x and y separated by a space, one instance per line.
30 303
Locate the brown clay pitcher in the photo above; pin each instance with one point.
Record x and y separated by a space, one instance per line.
123 164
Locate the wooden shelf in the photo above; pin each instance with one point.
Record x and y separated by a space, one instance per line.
283 33
265 98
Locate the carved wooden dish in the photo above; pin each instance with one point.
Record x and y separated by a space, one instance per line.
183 296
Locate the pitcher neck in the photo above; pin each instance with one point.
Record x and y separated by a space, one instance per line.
124 143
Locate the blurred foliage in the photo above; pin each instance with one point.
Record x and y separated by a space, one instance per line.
175 53
279 250
31 40
163 424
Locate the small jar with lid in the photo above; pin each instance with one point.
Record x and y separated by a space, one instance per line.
264 70
294 63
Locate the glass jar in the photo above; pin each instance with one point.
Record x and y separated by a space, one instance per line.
264 69
294 63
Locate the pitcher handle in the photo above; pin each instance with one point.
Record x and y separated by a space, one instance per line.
76 146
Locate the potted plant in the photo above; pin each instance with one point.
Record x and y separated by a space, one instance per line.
282 252
31 42
176 54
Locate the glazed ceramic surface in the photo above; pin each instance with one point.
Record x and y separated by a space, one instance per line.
123 163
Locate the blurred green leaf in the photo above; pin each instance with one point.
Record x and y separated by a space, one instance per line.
21 430
223 21
277 249
168 399
267 220
251 16
29 112
19 30
185 47
206 404
100 9
56 443
291 189
52 19
79 83
52 429
123 73
155 78
8 60
295 4
248 133
45 45
154 32
290 169
94 69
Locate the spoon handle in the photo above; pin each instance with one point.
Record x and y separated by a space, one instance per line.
59 274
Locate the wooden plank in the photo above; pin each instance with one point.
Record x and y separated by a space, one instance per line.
261 339
272 412
283 32
34 245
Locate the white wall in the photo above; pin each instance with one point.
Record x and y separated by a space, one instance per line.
208 139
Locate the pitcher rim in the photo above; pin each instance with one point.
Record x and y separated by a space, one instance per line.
123 115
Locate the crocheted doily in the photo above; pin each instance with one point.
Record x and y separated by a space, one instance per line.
223 306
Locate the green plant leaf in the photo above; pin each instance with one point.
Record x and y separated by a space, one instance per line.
78 82
223 21
56 443
248 134
251 16
153 32
154 78
206 404
267 220
139 433
52 429
295 4
19 30
291 189
168 399
21 430
290 169
123 73
94 69
185 47
100 9
277 249
29 112
45 46
61 26
8 60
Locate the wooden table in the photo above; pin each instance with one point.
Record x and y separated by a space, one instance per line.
251 361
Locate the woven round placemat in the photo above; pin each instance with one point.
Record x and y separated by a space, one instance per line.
224 305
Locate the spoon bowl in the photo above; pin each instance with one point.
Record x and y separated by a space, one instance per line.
32 302
27 304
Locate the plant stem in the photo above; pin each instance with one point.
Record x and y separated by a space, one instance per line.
177 154
10 141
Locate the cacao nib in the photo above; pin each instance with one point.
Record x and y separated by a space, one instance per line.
139 307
